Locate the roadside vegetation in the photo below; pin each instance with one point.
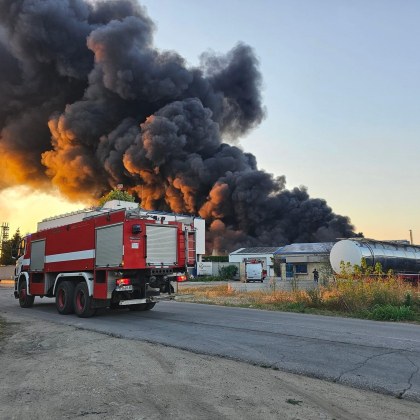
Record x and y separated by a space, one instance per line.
225 273
2 329
379 298
8 248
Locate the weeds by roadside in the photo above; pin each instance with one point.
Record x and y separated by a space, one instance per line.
379 299
206 279
391 313
2 329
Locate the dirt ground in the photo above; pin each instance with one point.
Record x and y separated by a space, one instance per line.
53 371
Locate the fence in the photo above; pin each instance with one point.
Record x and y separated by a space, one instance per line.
6 272
212 268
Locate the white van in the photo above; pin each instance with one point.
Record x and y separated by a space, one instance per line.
254 272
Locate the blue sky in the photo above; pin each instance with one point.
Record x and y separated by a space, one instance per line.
342 93
341 88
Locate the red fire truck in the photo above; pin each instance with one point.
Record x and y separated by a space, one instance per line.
116 256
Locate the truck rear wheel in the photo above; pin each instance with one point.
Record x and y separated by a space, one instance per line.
82 301
64 298
25 300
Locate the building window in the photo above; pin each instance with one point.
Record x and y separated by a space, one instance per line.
301 268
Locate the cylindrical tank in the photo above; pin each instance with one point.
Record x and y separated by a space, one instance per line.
399 257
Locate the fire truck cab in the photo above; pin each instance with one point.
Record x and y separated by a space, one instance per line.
116 256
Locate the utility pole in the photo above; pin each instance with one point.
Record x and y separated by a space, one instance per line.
411 237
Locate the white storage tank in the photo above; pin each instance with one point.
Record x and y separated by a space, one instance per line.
396 256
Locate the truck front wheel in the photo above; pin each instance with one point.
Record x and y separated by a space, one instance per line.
25 300
82 301
64 298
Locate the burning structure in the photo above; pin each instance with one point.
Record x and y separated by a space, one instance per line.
88 102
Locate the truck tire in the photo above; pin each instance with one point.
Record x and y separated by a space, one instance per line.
64 298
82 301
25 300
142 307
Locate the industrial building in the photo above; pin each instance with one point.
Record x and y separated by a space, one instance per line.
297 261
265 254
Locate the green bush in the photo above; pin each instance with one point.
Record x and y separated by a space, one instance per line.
295 307
315 296
228 272
9 249
408 301
391 313
205 278
357 295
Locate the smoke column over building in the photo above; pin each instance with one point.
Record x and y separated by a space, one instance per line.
88 102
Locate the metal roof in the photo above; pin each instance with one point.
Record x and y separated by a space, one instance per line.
306 248
394 242
257 250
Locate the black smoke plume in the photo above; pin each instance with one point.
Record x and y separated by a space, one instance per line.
88 102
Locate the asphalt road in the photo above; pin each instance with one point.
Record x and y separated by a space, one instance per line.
380 356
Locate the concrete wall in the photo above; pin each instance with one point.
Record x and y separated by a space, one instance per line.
272 284
6 272
212 268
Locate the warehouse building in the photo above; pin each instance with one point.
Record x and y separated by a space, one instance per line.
265 254
298 261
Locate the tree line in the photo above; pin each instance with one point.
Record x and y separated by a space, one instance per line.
8 247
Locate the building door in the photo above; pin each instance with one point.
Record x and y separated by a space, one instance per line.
289 271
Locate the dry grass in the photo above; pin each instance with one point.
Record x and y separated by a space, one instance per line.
218 295
354 297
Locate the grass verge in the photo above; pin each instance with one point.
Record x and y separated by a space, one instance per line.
388 299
